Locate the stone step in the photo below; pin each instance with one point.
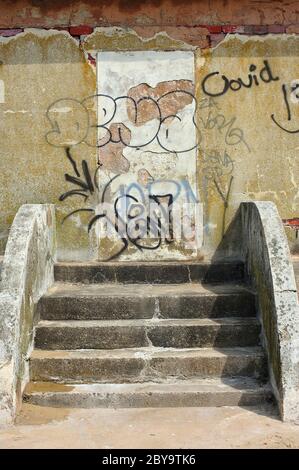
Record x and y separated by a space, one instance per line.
183 333
144 364
115 302
206 392
149 272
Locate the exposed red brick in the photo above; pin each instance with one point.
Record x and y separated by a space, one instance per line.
276 28
62 28
256 29
168 107
10 32
80 30
111 156
230 28
54 13
91 59
292 29
248 29
214 28
184 13
195 35
253 12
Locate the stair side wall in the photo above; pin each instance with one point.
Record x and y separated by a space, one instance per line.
27 272
263 247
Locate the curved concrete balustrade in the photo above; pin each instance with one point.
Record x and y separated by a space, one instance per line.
257 236
27 272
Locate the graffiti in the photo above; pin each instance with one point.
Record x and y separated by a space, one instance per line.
265 75
294 96
146 134
85 185
133 223
141 136
139 213
73 122
233 135
218 167
146 216
216 120
225 199
217 164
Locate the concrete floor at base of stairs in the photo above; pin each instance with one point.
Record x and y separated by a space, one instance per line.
225 427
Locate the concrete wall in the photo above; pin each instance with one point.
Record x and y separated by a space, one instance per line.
257 236
250 128
39 68
247 131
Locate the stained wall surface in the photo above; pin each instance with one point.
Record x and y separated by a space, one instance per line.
147 149
247 110
250 128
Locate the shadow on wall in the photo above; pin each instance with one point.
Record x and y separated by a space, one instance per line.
230 247
251 378
3 241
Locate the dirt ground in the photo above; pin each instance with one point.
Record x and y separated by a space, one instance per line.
226 427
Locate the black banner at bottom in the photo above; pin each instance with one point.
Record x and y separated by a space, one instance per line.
140 458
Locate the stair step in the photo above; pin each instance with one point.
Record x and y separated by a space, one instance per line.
149 272
144 364
109 301
207 392
169 333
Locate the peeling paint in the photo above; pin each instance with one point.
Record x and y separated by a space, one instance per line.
119 39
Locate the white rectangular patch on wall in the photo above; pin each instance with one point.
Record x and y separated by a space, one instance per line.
147 147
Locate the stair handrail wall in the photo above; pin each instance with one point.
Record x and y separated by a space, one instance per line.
270 272
27 272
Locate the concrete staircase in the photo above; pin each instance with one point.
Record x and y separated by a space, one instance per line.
147 335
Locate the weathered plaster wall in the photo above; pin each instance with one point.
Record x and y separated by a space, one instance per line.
48 122
48 84
249 142
38 68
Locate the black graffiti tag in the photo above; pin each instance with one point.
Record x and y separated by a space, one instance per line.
265 75
136 223
288 108
73 122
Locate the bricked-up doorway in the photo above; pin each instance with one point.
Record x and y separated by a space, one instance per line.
147 147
